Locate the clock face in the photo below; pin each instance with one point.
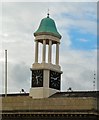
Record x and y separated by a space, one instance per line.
37 78
55 80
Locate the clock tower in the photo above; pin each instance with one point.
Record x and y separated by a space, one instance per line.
46 76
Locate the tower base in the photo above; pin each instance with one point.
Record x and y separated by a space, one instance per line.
38 93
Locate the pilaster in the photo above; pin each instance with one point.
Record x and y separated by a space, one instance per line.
50 52
57 54
44 52
36 51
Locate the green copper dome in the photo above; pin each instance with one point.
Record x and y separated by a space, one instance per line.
47 26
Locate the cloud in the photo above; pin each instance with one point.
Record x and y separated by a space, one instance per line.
83 40
18 77
19 22
76 15
78 67
82 81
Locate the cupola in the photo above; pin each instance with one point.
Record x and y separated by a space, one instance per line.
47 26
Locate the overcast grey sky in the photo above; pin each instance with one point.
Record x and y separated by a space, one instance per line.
77 24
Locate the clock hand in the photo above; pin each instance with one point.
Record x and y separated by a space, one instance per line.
37 79
38 76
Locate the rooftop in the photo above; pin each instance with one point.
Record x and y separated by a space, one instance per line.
62 94
59 102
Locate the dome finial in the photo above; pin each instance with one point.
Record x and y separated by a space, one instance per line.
48 14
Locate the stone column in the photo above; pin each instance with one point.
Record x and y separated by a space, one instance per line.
50 51
44 52
57 54
36 52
